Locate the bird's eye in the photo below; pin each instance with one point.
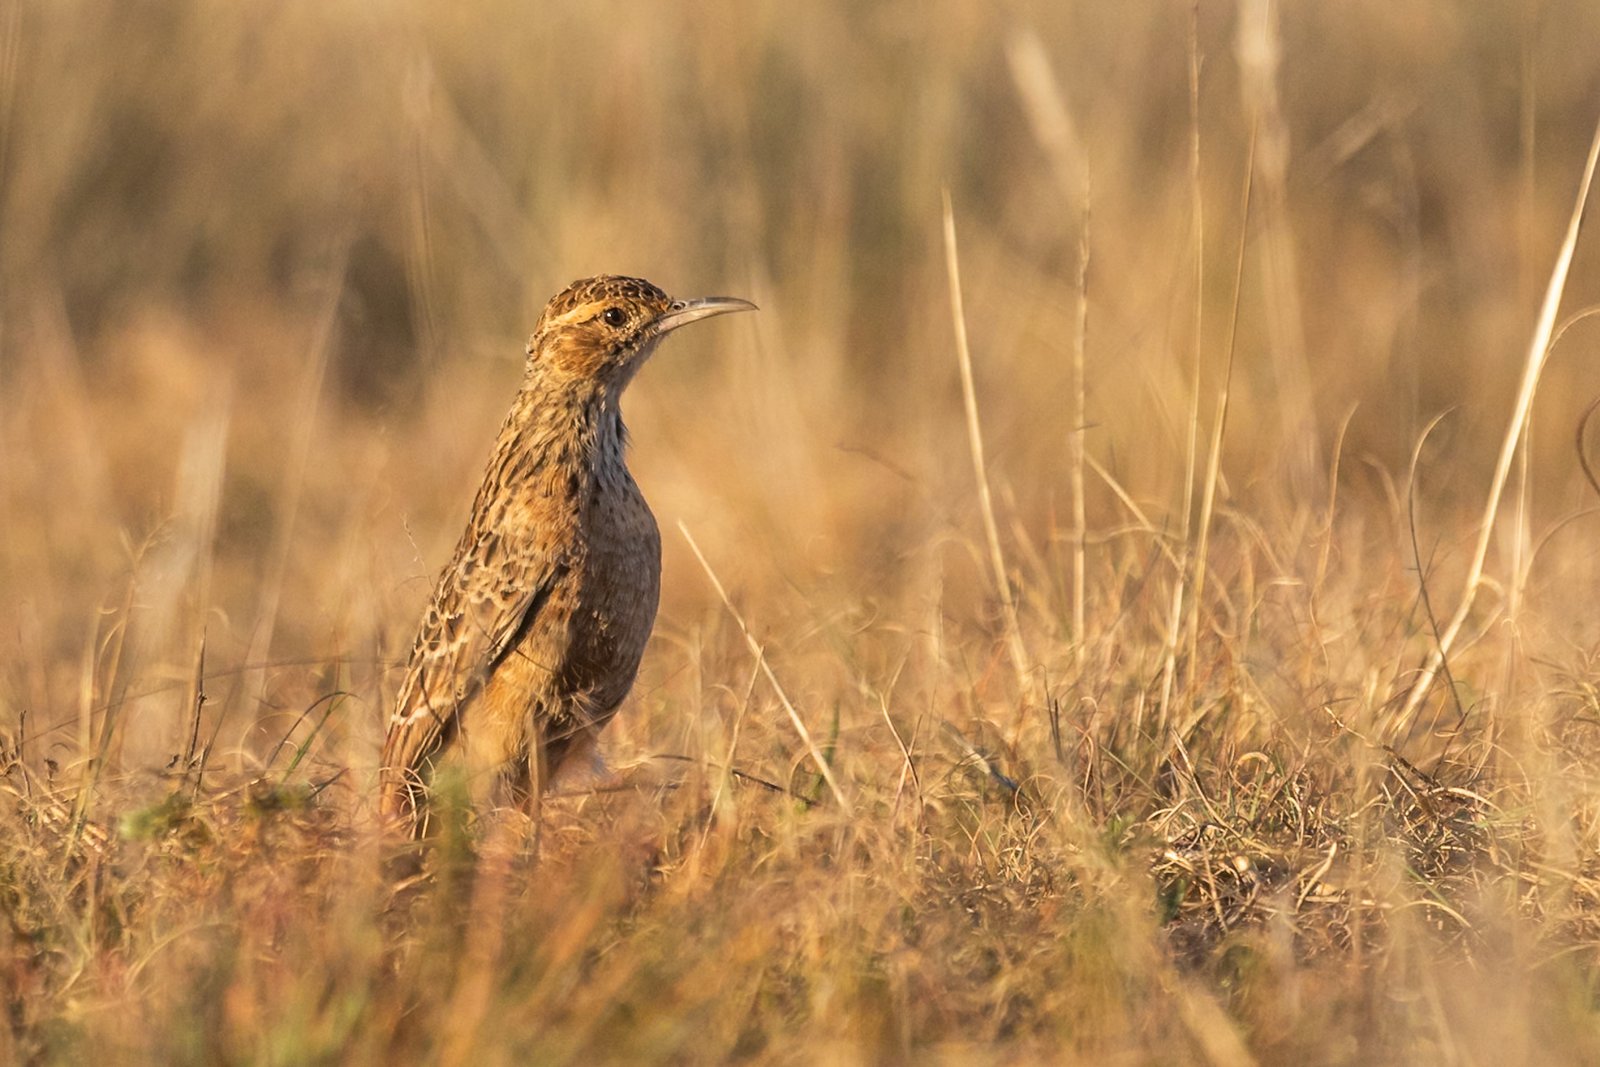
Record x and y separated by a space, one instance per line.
615 317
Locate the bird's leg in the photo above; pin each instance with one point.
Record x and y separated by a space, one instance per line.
583 768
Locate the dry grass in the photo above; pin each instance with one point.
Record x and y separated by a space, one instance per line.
1126 755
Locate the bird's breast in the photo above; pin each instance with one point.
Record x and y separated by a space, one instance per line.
618 585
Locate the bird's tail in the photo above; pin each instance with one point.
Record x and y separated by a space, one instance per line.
399 796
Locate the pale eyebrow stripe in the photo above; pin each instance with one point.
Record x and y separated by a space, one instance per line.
579 313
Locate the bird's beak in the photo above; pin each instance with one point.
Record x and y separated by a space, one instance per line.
683 312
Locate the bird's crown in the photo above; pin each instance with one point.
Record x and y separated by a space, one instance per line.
589 298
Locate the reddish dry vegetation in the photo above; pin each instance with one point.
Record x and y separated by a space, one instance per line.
1144 748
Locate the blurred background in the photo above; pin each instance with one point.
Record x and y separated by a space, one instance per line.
266 272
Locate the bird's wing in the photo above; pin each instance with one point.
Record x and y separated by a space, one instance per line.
489 595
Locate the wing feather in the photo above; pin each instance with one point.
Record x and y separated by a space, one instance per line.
489 596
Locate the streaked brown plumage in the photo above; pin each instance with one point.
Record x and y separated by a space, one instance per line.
536 628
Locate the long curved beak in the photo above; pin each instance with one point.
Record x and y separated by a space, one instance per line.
683 312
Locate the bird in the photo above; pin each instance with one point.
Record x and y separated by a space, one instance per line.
536 627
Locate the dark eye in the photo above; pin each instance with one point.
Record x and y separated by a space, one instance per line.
615 317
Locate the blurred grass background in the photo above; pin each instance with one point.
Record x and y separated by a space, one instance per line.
265 276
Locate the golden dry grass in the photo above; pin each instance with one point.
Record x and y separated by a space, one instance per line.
264 279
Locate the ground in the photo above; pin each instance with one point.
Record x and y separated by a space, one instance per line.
1198 631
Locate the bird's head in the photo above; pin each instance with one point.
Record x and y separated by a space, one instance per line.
602 329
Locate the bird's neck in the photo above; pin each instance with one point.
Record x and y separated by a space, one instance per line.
576 431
